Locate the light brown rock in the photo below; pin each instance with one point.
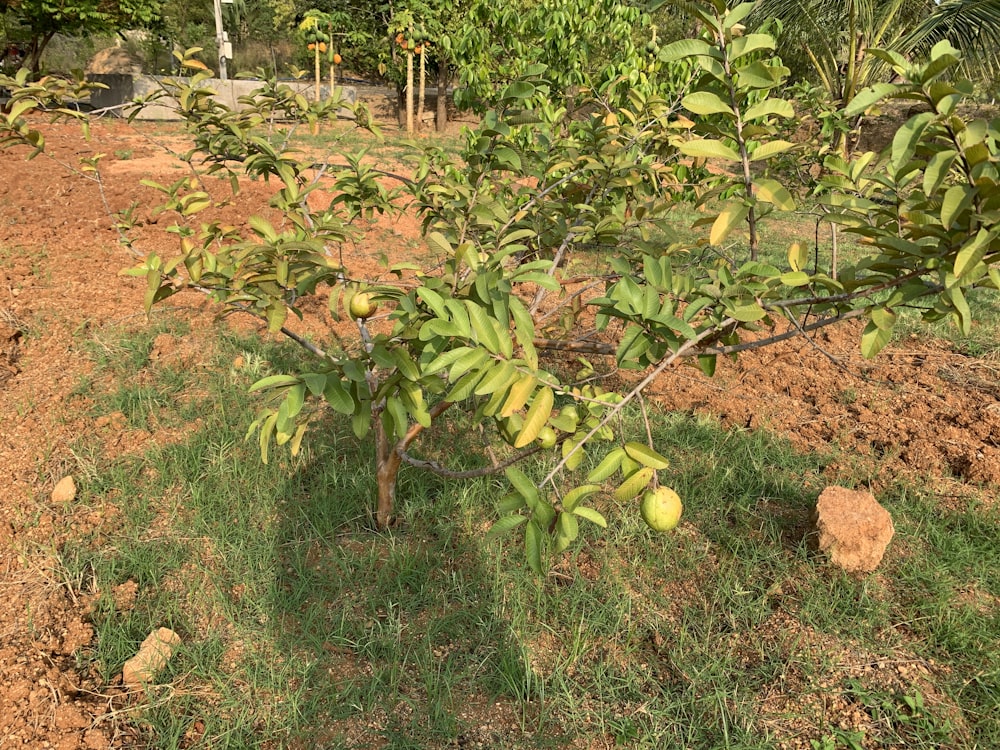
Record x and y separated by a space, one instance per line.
115 60
153 655
854 530
64 491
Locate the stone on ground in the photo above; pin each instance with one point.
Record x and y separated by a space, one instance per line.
854 530
64 491
153 655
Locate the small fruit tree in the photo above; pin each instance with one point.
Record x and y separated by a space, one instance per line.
471 336
316 28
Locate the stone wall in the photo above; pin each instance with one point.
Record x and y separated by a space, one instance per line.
123 89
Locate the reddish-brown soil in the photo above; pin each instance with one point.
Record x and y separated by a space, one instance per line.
920 408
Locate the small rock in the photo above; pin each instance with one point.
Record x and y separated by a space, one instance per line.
64 491
854 529
153 655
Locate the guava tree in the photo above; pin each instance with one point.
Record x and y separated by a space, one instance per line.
479 335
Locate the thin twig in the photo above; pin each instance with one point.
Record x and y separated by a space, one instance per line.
435 468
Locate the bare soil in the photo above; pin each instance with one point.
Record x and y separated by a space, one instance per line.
920 408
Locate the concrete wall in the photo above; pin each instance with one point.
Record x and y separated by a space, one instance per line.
123 89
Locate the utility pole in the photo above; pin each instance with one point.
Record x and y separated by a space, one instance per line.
222 39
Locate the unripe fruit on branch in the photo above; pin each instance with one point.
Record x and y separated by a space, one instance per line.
362 306
661 509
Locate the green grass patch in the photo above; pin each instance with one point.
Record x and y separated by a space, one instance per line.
303 627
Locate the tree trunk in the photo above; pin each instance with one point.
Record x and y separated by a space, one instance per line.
423 88
443 81
409 91
36 47
387 463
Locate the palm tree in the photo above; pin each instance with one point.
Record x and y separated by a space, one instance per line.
835 36
972 26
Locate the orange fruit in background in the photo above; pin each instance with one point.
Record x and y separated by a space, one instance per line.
311 45
322 46
337 59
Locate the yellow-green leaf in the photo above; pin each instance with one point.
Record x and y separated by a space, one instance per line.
518 395
798 256
537 416
706 148
732 214
646 455
636 483
773 192
574 496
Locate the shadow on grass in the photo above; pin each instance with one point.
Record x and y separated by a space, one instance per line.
304 628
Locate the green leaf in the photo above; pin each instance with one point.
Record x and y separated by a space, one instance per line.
503 526
867 97
707 364
591 515
972 252
518 90
315 382
684 48
273 381
769 108
905 141
338 396
485 333
745 45
736 14
732 215
574 456
873 339
634 484
434 301
572 498
706 103
769 149
956 200
747 313
645 455
498 377
938 167
567 530
706 148
262 227
798 256
524 486
608 466
960 305
533 543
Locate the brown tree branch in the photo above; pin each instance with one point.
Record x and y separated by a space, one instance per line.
435 468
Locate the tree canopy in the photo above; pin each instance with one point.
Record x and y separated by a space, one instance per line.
43 19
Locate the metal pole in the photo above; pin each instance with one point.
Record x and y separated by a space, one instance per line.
220 39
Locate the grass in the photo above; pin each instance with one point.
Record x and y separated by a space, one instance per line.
303 627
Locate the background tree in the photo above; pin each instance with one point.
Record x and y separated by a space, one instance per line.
972 26
43 19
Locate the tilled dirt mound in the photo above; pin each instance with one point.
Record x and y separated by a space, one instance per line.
920 408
